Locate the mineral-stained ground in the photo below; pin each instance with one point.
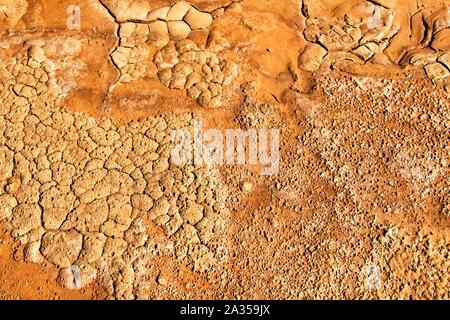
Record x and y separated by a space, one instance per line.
93 207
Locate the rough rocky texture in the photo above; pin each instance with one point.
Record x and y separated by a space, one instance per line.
83 201
91 206
201 72
364 32
157 28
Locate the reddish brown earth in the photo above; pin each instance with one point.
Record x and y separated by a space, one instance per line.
359 208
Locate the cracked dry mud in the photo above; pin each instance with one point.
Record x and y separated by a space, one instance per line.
92 207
